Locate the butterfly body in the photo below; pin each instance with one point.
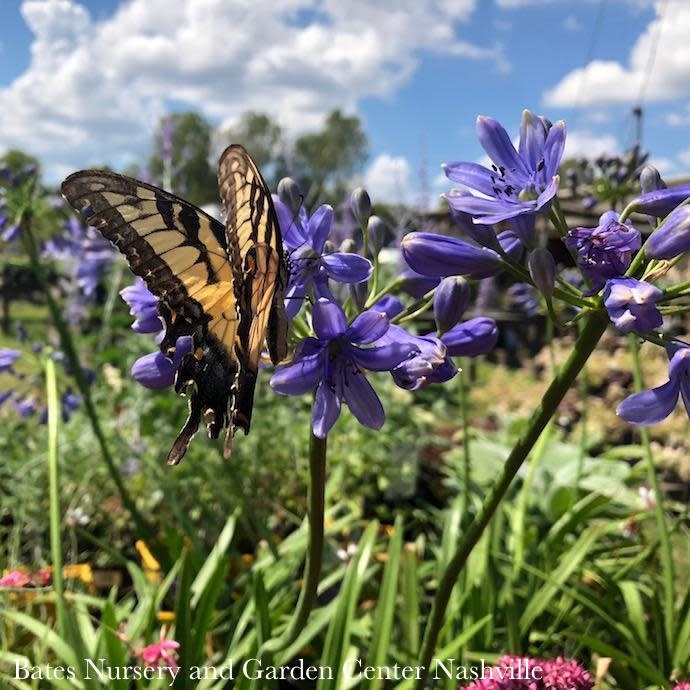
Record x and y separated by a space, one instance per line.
220 285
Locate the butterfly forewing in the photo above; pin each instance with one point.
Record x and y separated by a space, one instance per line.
183 256
252 226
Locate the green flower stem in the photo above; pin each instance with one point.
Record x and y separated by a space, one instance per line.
316 499
586 343
557 218
668 569
376 296
676 291
54 494
67 345
463 364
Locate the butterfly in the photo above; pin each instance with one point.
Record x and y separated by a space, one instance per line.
221 285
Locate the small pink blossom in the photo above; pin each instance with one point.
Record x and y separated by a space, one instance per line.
161 651
42 577
15 578
685 685
544 674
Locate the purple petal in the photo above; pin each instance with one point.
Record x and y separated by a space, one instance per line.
294 298
319 227
662 201
290 227
496 142
367 327
437 255
553 149
300 376
474 337
673 238
471 175
511 244
451 299
154 371
326 410
417 285
363 402
651 406
391 306
532 138
549 193
383 357
347 268
490 211
328 319
524 227
480 233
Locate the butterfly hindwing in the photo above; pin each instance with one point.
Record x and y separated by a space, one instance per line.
185 259
251 223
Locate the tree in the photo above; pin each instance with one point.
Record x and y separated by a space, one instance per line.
327 159
180 161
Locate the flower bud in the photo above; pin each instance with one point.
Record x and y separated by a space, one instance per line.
542 269
361 205
472 338
650 179
359 293
661 202
347 246
377 231
450 302
290 194
672 238
328 247
438 255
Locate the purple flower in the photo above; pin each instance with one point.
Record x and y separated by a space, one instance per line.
450 302
5 396
10 233
605 251
673 238
335 362
415 284
438 255
472 338
525 298
661 202
155 370
653 406
25 408
8 357
631 305
305 239
389 305
519 182
70 403
144 306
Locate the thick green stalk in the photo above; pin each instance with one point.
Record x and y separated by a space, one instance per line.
664 537
68 347
589 337
54 494
316 500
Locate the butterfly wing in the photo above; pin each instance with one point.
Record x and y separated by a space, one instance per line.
183 256
251 223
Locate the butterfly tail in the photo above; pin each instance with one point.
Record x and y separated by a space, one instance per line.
187 433
244 402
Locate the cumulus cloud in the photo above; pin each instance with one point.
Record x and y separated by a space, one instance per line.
605 81
679 119
389 179
95 88
581 143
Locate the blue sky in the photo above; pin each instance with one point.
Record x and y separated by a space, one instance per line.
83 83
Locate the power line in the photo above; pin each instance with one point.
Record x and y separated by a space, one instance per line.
651 58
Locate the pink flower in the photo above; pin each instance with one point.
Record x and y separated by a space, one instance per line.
685 685
42 577
523 673
161 651
15 578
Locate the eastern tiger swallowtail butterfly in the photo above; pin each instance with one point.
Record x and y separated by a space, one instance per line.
223 286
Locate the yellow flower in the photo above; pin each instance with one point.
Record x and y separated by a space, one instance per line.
149 564
165 616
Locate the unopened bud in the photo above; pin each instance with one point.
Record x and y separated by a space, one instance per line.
359 293
542 268
650 179
290 194
450 302
361 205
377 231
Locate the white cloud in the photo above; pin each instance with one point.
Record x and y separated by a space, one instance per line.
571 23
584 143
667 166
678 119
606 81
94 89
512 4
389 179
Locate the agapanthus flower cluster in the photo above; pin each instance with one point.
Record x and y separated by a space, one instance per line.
525 673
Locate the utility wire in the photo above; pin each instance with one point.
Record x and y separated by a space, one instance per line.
651 58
